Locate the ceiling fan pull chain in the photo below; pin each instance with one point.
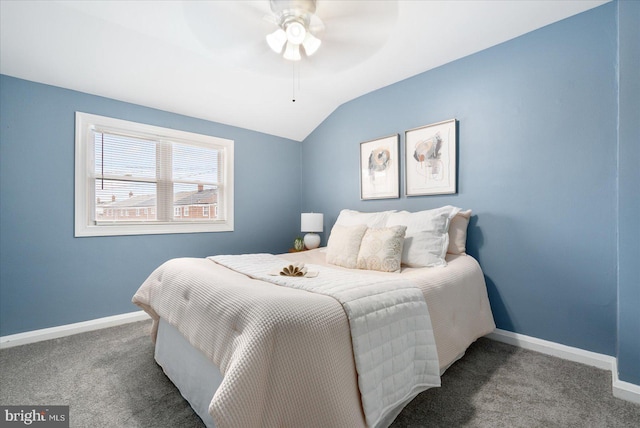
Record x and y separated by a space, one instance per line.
293 79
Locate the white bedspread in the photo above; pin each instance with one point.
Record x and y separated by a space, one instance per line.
286 354
393 344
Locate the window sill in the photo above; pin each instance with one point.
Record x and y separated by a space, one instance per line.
150 229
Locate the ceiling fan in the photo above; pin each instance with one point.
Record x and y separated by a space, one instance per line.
298 25
329 36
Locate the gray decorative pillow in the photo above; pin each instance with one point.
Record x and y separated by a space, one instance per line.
344 244
381 249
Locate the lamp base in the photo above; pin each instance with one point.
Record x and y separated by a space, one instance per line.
311 241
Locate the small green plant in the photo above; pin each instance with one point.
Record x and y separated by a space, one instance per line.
298 244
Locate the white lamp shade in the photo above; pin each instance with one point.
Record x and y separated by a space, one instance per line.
311 222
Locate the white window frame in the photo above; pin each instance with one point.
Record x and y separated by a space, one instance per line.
85 224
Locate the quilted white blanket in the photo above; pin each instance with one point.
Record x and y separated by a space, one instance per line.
393 344
286 354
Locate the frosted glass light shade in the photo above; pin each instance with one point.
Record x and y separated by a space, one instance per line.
311 44
295 32
276 40
292 52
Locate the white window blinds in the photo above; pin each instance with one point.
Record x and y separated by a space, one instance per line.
171 181
140 175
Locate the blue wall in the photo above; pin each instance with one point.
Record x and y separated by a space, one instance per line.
551 178
538 120
629 196
48 277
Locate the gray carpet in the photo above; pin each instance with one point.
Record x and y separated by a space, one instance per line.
109 379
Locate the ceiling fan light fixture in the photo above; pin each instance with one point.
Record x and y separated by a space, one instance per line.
296 20
276 40
296 32
292 52
311 44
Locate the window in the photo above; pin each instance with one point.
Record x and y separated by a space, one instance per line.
124 168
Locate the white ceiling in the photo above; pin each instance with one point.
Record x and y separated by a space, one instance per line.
209 59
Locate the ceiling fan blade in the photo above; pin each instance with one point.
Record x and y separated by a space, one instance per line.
373 22
358 10
316 25
270 19
221 25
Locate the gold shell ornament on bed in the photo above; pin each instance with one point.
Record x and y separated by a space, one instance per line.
296 269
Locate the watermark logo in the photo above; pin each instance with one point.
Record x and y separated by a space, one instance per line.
34 416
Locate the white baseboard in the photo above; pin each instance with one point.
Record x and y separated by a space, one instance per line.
70 329
621 389
625 390
577 355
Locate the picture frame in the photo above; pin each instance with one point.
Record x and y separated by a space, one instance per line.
380 168
430 159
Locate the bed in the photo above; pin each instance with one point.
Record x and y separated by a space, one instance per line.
249 347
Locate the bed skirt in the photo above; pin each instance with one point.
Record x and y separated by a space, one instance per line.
195 376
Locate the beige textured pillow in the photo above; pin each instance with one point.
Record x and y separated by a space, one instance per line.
344 244
381 249
458 233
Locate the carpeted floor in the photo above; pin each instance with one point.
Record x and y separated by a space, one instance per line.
109 379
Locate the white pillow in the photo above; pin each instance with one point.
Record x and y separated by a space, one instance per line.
344 244
458 232
427 238
381 249
351 218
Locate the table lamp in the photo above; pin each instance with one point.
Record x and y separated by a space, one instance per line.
311 223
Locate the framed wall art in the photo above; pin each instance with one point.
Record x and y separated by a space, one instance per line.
430 159
380 168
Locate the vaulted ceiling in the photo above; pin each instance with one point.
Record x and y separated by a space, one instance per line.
209 59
